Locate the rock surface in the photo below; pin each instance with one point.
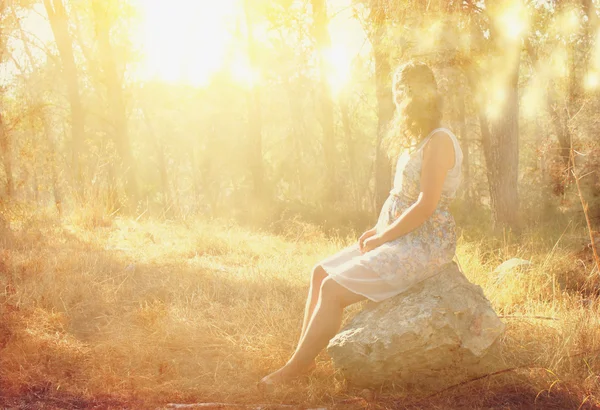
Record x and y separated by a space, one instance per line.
439 332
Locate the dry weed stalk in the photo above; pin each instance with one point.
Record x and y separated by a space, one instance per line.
529 366
584 205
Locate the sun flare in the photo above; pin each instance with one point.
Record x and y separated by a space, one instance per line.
592 81
338 63
184 41
243 73
188 42
514 21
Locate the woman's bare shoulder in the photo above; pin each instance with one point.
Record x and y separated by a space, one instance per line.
441 147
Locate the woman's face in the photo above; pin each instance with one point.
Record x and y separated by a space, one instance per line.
400 93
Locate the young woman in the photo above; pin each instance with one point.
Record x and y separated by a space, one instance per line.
414 236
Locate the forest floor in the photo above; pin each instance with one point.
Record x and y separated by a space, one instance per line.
118 313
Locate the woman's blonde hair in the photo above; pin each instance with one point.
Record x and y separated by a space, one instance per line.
418 107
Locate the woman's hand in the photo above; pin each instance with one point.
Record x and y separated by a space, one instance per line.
364 237
371 243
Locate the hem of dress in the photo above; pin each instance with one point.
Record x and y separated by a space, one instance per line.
337 280
433 273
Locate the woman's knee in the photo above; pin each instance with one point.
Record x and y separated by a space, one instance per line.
332 293
329 291
318 276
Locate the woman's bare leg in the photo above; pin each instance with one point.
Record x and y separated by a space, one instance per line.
324 324
317 278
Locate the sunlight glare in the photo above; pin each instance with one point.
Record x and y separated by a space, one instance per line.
260 33
559 60
592 81
184 41
514 21
595 56
338 62
432 39
348 41
568 21
532 97
243 73
495 103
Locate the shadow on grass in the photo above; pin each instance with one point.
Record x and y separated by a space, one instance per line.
85 326
92 322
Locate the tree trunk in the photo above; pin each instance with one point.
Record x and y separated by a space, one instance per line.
559 116
5 143
590 28
5 149
44 118
59 23
210 182
296 140
500 131
162 163
56 190
194 168
500 137
116 102
255 142
350 147
254 148
323 42
385 105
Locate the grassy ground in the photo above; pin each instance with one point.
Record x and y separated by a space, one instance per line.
124 313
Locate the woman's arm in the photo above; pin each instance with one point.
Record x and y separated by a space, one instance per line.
438 159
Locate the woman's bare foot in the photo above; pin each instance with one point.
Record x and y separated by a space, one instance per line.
284 375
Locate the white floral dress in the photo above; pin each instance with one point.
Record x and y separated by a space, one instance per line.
397 265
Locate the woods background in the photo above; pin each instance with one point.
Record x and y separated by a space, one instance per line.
290 124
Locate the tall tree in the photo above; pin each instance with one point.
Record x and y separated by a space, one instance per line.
500 126
36 101
385 105
325 112
5 142
350 148
254 147
162 162
565 92
59 21
500 137
113 81
6 150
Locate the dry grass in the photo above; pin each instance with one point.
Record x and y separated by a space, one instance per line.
126 313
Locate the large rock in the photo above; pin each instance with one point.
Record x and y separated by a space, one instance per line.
440 331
